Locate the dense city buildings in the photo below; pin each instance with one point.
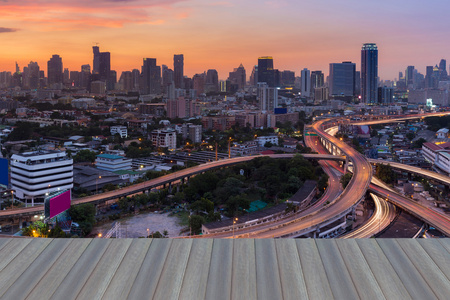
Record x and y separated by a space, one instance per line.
150 80
306 83
369 73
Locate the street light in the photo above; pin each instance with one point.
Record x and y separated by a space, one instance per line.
234 222
12 199
96 184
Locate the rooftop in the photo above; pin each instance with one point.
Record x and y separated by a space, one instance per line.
110 156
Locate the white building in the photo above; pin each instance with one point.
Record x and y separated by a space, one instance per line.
267 97
121 130
443 162
35 174
442 133
306 83
112 163
164 139
262 140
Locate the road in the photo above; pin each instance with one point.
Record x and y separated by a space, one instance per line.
383 215
149 184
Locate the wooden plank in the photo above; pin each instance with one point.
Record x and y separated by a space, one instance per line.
316 280
79 274
124 277
430 272
28 280
360 272
171 279
291 273
220 270
104 271
268 284
196 275
11 249
21 262
243 278
147 279
338 276
411 278
438 253
381 268
4 241
59 270
445 243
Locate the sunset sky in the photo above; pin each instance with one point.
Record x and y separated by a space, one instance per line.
222 34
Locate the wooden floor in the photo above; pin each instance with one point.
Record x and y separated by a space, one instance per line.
224 269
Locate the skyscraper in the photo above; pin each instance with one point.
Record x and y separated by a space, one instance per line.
342 79
150 77
265 70
55 70
369 73
238 77
178 70
96 62
409 75
212 81
267 97
317 79
443 70
306 83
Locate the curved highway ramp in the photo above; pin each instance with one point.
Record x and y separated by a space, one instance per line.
224 269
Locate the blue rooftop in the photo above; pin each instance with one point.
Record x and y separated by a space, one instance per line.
110 156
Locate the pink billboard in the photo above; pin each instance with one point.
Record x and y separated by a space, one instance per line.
60 203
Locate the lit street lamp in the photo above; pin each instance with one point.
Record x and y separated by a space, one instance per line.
234 222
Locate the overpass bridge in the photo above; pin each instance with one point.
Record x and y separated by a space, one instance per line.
165 181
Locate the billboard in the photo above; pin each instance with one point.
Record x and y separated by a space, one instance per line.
56 204
4 171
280 110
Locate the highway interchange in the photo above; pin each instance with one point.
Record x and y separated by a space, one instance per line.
334 203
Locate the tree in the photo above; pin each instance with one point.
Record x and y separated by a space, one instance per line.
85 156
385 173
84 215
418 143
410 135
202 205
236 202
195 223
268 145
345 179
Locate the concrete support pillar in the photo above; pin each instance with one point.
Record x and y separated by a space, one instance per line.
170 187
32 201
409 176
20 222
354 213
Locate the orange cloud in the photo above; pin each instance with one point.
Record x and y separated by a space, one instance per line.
81 14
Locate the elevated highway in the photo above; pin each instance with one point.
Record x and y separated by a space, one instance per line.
157 182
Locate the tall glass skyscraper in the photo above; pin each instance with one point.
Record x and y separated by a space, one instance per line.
369 73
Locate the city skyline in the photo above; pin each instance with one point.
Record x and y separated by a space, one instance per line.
222 35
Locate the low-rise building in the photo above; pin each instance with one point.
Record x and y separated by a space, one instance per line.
121 130
164 139
112 163
35 174
262 140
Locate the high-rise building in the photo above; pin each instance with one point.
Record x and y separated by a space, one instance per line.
178 70
429 77
96 62
55 70
409 75
267 97
317 79
212 81
342 79
198 82
443 70
238 77
254 76
306 83
102 67
150 82
287 78
32 80
85 76
369 73
265 70
385 95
